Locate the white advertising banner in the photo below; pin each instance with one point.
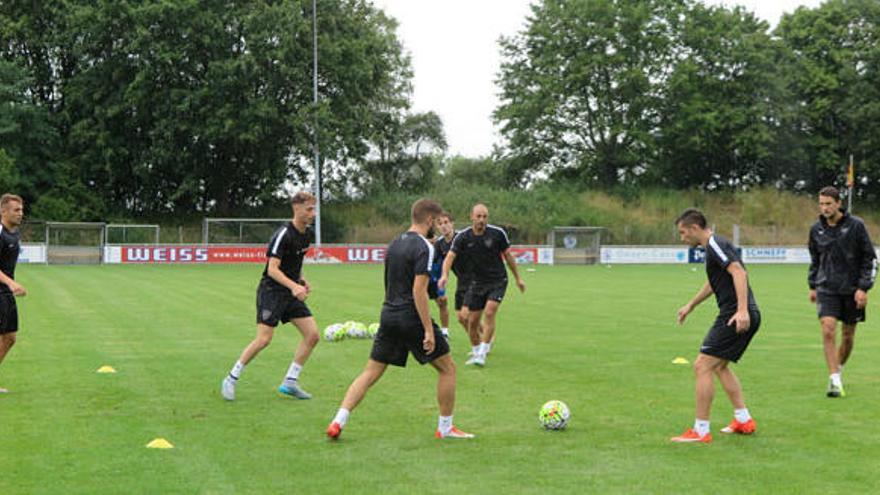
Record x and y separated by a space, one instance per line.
775 254
643 255
663 255
32 253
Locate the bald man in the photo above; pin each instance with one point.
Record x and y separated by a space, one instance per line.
485 246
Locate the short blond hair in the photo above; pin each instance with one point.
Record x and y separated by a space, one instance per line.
8 198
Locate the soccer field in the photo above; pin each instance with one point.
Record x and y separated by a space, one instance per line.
601 339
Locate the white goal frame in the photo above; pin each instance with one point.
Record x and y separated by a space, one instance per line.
207 222
129 226
576 245
74 253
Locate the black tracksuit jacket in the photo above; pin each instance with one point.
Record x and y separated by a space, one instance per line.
843 259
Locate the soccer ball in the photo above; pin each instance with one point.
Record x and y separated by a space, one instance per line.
357 330
334 332
554 415
347 326
372 330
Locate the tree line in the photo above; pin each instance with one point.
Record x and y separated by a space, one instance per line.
132 109
679 94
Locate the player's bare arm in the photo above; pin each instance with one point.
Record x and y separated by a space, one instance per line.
17 289
701 296
511 262
300 292
447 265
420 298
741 318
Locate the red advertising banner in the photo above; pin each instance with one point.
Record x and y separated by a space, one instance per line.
524 255
244 254
257 254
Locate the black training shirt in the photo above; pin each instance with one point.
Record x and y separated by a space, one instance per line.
483 252
460 267
10 246
408 255
290 246
720 253
441 249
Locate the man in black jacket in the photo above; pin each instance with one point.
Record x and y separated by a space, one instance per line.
842 271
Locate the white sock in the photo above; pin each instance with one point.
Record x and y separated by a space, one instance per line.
445 331
484 348
293 371
475 350
835 379
444 424
701 427
742 415
237 370
341 416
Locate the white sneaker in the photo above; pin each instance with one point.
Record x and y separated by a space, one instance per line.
227 389
471 360
480 360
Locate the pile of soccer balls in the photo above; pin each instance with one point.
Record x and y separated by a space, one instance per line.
350 330
554 415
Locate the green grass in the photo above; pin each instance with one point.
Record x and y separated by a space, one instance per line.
601 339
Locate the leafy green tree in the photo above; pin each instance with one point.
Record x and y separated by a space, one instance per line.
582 85
834 72
408 148
26 135
197 106
719 118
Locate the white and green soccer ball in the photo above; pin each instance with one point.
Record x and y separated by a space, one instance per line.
357 330
554 415
334 332
372 330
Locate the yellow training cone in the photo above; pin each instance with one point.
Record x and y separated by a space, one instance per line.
106 369
680 360
160 443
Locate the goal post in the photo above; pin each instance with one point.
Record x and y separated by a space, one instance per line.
126 233
74 243
240 230
576 245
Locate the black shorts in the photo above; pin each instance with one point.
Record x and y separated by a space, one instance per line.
723 342
401 333
8 314
480 293
279 306
460 294
840 306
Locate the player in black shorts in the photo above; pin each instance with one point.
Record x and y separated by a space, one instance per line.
11 215
405 326
441 247
281 297
727 340
484 246
462 270
843 266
